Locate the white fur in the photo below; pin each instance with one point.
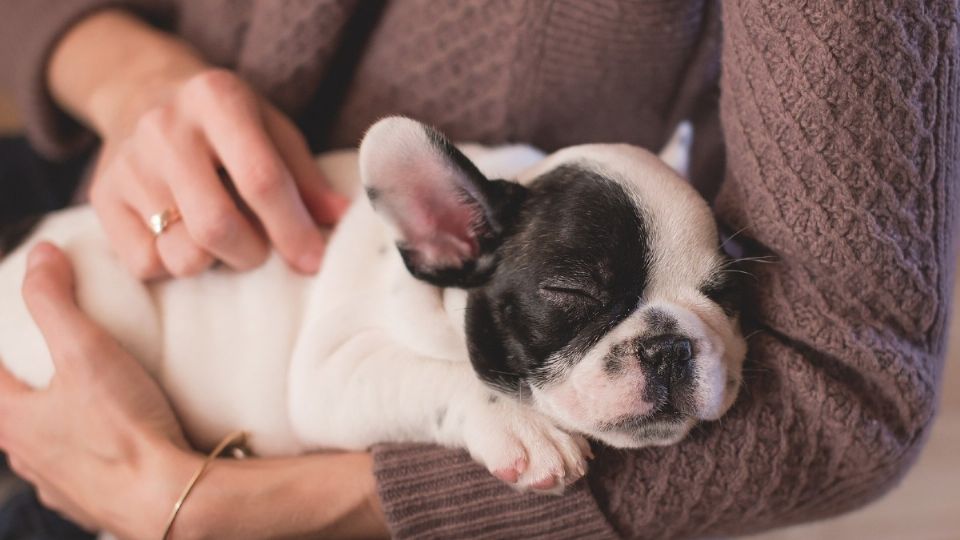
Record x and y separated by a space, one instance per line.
359 354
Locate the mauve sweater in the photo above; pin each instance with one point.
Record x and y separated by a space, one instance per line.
827 134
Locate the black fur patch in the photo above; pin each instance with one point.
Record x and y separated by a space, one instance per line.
659 322
617 358
582 236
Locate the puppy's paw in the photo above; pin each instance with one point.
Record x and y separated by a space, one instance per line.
524 448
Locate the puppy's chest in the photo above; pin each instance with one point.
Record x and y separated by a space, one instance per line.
364 286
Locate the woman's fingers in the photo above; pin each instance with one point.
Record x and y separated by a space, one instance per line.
210 215
168 160
238 136
324 204
175 172
132 242
180 255
136 244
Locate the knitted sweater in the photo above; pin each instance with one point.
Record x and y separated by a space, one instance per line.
828 136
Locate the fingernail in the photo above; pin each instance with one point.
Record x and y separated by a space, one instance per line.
337 206
343 203
38 255
309 262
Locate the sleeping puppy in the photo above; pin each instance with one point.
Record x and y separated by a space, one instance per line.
512 318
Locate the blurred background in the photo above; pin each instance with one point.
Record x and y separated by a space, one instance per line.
926 505
8 117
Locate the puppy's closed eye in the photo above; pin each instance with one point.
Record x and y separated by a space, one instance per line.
562 291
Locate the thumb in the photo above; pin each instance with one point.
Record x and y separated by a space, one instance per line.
48 290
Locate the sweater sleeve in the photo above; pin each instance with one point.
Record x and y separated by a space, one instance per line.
841 127
29 31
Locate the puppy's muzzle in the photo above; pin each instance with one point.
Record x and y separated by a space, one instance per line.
670 356
668 361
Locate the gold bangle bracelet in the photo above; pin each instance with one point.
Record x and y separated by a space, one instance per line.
236 440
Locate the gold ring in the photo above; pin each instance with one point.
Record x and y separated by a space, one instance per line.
159 222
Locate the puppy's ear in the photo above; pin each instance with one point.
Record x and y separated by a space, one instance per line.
447 217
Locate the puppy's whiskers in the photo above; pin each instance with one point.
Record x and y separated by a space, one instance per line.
735 271
762 259
751 334
732 236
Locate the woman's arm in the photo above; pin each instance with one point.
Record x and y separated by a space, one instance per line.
110 67
328 495
102 445
29 31
841 128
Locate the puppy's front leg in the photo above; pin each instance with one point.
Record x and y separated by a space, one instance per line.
371 390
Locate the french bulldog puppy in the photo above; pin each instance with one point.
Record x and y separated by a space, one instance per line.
586 297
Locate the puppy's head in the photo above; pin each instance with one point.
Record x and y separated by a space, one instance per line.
597 291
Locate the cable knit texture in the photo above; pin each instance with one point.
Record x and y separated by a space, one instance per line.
840 128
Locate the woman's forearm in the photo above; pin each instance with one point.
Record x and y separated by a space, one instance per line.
111 64
329 494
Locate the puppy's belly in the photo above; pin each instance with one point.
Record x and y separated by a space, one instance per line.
227 339
231 349
219 344
106 291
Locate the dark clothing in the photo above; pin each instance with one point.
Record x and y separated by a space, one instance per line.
22 517
31 185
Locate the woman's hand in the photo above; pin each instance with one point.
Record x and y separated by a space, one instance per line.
102 445
167 155
89 440
169 123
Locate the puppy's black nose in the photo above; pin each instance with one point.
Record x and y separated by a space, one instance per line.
670 357
681 354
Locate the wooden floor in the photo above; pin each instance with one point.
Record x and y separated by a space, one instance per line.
926 506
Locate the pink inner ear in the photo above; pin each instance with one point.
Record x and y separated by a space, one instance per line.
438 225
422 192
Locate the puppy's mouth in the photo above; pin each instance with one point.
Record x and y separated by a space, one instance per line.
665 426
665 415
